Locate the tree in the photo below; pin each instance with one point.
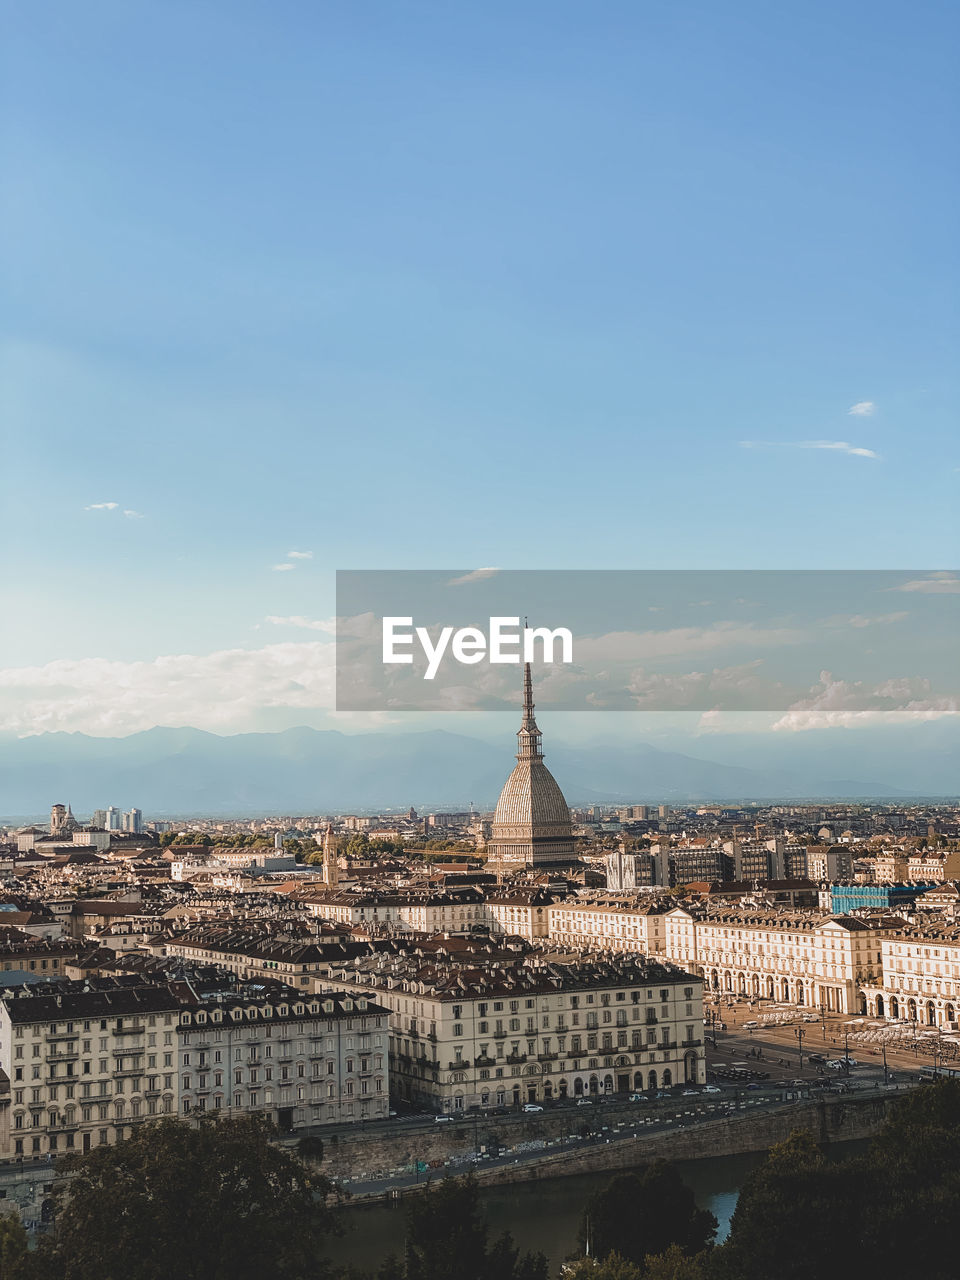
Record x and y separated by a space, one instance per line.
14 1247
216 1201
613 1267
796 1217
638 1214
447 1239
674 1264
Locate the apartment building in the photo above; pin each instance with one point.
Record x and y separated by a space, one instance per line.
486 1032
458 910
921 976
86 1061
608 923
805 958
303 1059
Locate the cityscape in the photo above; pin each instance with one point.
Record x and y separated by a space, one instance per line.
479 683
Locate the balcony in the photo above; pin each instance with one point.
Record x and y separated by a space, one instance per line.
691 1044
547 1057
66 1055
484 1061
137 1030
459 1064
515 1059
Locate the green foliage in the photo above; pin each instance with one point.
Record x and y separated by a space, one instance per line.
310 1148
674 1264
637 1214
13 1248
219 1201
890 1214
613 1267
447 1239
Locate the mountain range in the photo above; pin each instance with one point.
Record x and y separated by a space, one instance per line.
186 771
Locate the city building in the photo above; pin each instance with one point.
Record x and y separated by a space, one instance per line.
475 1030
531 823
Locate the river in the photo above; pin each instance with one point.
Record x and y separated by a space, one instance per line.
545 1216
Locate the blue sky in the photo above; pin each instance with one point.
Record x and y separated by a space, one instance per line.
411 285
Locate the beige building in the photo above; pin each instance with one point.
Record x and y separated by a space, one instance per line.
825 962
921 976
608 923
501 1031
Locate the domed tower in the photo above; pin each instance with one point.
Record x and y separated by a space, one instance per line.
531 826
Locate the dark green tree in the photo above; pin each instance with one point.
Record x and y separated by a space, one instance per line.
13 1248
216 1201
448 1239
643 1213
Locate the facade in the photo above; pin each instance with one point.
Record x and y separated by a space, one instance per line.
877 897
499 1032
806 959
606 923
87 1062
302 1059
531 824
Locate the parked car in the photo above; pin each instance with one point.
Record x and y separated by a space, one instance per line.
689 1093
442 1119
532 1106
584 1102
753 1085
711 1088
815 1057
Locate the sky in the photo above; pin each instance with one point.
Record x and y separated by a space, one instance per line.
297 287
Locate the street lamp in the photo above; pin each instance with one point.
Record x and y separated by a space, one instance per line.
846 1053
883 1050
799 1035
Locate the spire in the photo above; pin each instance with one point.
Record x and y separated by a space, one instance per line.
528 734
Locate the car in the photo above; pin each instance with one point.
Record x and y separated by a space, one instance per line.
753 1085
532 1106
442 1119
584 1102
689 1093
637 1097
711 1088
815 1057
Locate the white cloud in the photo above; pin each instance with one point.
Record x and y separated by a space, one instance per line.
308 624
219 691
102 506
942 583
854 704
840 445
837 446
133 515
476 575
860 620
299 555
863 409
282 568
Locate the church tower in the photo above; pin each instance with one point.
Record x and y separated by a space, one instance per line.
531 825
331 867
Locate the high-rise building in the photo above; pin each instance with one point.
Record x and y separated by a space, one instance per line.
133 822
112 819
531 825
99 819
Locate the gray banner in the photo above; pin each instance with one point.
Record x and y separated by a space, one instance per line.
720 640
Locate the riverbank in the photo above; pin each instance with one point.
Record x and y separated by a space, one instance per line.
544 1215
517 1149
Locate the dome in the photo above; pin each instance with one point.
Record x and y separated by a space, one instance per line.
531 825
531 797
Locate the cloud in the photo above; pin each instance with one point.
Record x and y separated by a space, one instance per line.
941 583
837 446
860 620
219 691
299 555
102 506
854 704
308 624
133 515
282 568
863 409
841 446
476 575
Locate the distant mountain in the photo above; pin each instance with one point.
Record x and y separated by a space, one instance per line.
187 771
